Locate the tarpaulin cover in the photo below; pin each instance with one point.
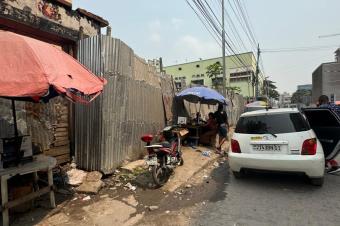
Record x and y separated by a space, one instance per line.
30 68
203 95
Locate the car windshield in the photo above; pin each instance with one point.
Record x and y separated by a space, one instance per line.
272 124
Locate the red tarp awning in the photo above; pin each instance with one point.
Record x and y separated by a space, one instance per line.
29 68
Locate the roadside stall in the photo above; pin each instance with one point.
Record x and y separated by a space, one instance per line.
34 71
198 95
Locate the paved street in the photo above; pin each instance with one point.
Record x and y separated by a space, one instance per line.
271 199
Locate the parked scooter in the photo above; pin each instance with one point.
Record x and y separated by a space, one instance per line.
164 156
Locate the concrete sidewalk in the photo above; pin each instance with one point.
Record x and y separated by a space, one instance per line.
194 162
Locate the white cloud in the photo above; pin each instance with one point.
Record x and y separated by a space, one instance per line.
154 28
176 23
154 25
155 37
190 47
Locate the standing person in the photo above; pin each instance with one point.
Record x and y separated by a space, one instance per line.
223 126
324 103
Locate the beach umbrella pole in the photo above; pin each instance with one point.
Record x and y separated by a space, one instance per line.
14 119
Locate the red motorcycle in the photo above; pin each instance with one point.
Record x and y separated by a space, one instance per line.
164 155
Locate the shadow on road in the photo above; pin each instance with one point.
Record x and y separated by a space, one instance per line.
277 180
221 178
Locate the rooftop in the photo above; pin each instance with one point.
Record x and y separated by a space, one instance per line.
327 63
210 59
270 111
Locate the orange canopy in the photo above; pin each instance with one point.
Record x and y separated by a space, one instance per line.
30 68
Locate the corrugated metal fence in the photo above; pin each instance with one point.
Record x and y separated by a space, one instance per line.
108 130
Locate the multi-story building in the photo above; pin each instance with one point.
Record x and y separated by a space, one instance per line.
239 74
326 80
285 100
305 87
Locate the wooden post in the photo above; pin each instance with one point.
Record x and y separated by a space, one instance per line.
15 119
4 200
50 184
81 33
36 179
108 31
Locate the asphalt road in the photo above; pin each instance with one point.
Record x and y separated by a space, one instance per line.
271 199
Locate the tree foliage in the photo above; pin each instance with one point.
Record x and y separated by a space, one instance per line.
213 71
234 89
300 95
273 93
272 89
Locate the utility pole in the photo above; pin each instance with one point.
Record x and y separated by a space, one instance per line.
266 88
223 54
257 73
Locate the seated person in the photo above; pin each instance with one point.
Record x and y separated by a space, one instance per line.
199 119
209 131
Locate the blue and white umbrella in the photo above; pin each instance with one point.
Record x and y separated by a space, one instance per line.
202 95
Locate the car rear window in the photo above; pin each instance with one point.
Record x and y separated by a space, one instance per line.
272 123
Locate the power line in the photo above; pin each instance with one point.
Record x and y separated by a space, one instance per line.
247 23
248 17
231 41
216 27
238 17
241 23
214 34
211 22
298 49
207 28
233 29
228 37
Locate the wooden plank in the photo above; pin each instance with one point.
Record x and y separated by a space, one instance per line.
62 114
64 129
61 125
63 159
61 138
27 198
61 143
57 151
62 110
63 118
61 134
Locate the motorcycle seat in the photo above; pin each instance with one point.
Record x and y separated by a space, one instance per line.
166 144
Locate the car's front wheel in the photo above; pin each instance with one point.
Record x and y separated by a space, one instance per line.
317 181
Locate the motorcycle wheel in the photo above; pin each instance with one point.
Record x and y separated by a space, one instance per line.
160 175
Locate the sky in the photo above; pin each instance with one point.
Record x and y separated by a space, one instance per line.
170 29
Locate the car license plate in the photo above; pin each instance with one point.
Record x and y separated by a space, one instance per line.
152 161
267 147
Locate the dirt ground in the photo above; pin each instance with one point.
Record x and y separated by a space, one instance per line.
190 187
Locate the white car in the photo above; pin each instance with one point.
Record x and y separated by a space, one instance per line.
282 140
